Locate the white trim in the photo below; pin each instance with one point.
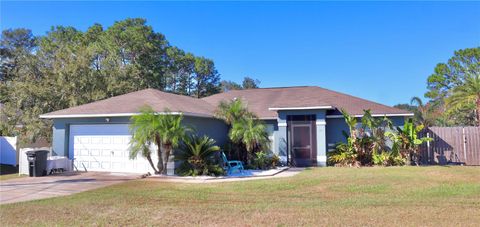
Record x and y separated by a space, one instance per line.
321 122
321 158
374 115
282 124
117 115
267 118
301 108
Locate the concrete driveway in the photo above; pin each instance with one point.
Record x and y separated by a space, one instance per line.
31 188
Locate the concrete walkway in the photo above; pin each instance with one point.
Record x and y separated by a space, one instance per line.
287 172
32 188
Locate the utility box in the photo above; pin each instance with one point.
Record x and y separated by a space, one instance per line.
37 163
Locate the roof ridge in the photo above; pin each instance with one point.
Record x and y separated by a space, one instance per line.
253 89
158 92
356 97
300 86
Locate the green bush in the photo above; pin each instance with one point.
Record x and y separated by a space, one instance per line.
383 159
263 160
387 159
343 155
198 157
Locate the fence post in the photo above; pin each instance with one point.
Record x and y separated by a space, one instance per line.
429 155
464 140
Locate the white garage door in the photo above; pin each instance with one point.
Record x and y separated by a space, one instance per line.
103 147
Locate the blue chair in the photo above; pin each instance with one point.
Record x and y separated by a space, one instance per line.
232 165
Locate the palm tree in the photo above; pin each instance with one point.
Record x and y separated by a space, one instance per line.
423 113
195 154
233 111
468 93
170 133
144 129
251 133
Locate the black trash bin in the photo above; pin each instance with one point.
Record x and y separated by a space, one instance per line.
37 163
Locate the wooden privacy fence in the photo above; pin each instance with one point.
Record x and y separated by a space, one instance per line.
451 145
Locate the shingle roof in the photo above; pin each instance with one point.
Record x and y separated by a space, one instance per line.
260 100
132 102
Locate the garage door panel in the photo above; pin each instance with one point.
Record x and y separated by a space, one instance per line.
106 153
105 147
106 165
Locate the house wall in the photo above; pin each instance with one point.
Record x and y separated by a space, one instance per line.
213 128
272 130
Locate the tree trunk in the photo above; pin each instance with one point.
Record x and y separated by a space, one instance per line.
160 159
167 149
149 158
408 162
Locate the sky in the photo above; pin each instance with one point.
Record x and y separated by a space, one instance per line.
381 51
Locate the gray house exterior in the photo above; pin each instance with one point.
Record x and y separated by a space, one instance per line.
303 124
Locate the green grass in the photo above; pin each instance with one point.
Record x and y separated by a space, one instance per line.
8 172
396 196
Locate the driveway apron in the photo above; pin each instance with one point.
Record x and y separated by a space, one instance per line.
32 188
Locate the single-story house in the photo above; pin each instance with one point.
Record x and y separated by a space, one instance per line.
303 123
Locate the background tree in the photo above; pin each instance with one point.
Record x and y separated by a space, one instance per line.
206 78
467 94
67 67
247 83
424 113
179 78
227 85
15 48
406 106
446 78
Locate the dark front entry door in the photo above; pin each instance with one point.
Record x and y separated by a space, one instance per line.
302 140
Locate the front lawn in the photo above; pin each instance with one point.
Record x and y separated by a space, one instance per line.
413 196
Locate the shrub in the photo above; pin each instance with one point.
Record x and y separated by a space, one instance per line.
343 155
388 159
382 158
263 160
367 143
197 156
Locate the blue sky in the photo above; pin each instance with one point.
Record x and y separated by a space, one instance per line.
382 51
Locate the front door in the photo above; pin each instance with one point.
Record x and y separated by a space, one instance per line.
302 140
